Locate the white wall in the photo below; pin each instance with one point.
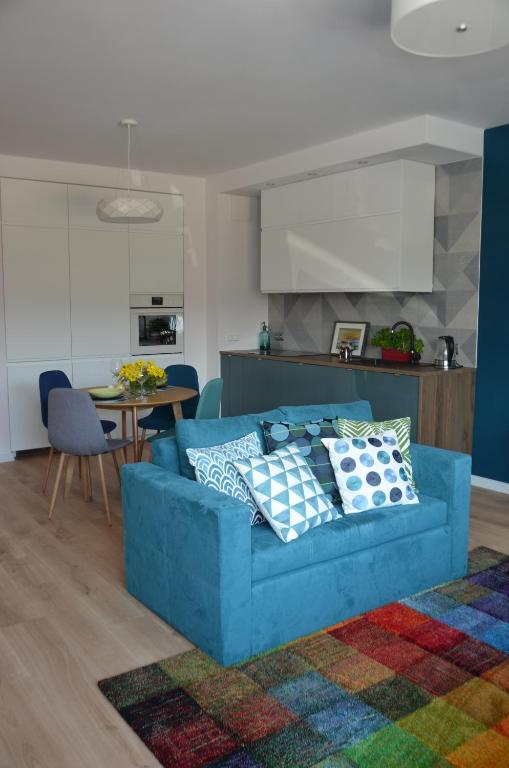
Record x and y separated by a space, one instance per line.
195 263
236 305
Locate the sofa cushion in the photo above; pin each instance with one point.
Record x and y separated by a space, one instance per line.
308 437
215 468
287 493
197 433
360 410
402 428
369 472
270 557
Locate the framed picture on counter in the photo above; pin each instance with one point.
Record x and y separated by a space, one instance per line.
353 334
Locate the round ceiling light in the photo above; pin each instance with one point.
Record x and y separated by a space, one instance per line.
129 208
447 28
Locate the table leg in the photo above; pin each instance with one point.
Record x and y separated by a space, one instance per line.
124 425
177 410
134 412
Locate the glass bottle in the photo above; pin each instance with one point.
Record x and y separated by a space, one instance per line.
264 338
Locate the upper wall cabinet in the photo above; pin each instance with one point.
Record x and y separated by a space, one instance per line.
36 276
366 230
37 203
172 220
156 262
83 204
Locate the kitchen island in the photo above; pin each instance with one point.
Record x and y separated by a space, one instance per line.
440 402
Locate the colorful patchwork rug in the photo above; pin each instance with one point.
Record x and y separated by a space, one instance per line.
422 683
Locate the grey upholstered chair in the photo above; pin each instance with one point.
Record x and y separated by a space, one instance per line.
74 429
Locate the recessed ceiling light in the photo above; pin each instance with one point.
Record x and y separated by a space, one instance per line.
312 174
362 162
462 28
270 184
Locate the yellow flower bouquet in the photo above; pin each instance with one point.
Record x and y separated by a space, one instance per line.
142 376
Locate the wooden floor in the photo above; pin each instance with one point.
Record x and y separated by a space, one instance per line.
66 621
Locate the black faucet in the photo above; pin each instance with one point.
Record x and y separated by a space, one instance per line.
414 356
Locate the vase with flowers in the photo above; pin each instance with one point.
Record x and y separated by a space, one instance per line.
142 377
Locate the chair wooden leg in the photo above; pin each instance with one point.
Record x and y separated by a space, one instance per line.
84 477
71 461
89 477
103 486
48 469
115 461
124 454
64 473
57 483
142 442
80 466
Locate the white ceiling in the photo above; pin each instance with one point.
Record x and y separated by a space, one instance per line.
217 84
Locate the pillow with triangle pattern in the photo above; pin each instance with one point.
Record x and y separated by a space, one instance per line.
287 493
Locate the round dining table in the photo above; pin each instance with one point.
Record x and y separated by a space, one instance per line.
173 397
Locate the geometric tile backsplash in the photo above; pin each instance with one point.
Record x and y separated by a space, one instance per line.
306 320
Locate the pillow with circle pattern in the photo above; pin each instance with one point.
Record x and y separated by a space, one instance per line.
369 472
308 438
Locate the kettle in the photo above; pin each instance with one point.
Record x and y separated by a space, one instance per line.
445 354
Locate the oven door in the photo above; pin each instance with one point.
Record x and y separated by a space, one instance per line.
157 330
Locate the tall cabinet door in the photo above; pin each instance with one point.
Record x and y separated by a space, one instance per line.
99 292
36 275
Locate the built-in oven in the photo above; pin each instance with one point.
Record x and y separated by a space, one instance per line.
157 324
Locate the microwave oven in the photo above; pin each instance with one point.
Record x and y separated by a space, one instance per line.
157 324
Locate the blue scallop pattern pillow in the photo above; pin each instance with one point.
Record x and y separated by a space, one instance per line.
214 468
370 472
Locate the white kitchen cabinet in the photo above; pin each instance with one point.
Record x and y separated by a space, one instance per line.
156 262
38 203
99 292
83 204
36 279
317 257
27 429
172 220
366 230
361 192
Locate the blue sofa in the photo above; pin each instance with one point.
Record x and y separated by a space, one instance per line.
234 590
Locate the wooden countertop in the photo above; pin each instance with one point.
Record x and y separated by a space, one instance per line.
334 362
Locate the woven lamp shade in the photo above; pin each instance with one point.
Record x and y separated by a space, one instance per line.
129 210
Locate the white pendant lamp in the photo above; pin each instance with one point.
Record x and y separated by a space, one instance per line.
129 208
447 28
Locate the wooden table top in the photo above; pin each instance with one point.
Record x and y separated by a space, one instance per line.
161 397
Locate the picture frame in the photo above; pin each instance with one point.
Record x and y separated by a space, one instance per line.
353 333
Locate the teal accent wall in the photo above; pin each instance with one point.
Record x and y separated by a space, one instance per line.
491 426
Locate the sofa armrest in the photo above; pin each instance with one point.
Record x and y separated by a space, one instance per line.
447 475
188 557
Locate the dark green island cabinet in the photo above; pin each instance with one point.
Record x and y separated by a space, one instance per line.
440 403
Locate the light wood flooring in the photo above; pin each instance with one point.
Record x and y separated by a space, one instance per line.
66 621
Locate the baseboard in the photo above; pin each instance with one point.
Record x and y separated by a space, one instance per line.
490 485
7 457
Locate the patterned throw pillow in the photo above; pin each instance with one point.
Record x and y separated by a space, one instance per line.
287 492
401 427
308 438
370 472
214 467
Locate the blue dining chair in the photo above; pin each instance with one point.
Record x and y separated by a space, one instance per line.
161 417
209 406
49 380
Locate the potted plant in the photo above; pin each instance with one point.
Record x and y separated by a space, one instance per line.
395 345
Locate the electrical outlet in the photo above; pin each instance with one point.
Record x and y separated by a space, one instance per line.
232 338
